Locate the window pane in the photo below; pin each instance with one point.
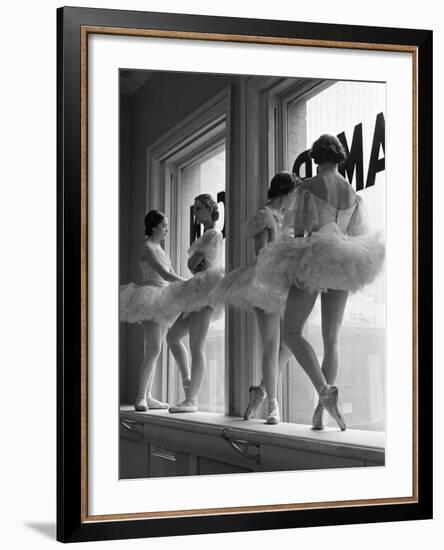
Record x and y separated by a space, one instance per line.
354 111
206 175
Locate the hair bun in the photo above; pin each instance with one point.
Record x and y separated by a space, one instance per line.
215 212
281 184
207 200
328 148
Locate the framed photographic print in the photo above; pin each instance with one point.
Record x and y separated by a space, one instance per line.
244 274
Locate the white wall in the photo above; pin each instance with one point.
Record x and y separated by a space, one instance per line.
28 272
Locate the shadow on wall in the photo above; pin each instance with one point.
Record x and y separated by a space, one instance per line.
48 530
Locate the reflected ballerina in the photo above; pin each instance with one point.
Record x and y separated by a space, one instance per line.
192 301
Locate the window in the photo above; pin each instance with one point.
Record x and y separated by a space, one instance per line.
283 118
354 111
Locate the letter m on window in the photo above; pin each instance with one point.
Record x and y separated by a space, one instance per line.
355 157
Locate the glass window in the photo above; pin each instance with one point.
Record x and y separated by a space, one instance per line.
354 111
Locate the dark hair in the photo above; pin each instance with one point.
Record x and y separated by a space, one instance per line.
281 184
328 148
208 201
152 220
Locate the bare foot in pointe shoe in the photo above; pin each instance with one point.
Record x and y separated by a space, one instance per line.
273 416
156 404
189 405
329 398
257 395
317 422
141 404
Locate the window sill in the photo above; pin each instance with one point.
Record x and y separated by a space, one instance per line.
285 446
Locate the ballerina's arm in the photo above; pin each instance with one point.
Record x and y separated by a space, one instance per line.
149 256
260 240
303 214
261 228
196 261
359 222
205 251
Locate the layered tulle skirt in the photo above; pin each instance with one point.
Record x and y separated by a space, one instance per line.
144 303
241 289
164 304
194 294
327 259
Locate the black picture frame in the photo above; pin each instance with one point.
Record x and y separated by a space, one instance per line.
73 524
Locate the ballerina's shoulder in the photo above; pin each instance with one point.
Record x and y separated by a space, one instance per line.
333 189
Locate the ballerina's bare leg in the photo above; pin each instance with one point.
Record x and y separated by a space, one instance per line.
269 330
153 336
333 305
180 353
257 394
299 306
199 322
284 356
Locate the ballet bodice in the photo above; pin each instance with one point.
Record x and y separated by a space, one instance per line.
265 219
149 274
310 213
211 245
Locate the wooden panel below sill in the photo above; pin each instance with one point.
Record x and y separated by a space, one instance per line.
189 430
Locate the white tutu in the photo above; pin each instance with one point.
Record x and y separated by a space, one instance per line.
326 259
241 289
194 294
144 303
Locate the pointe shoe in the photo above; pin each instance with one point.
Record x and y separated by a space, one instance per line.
273 416
257 394
141 405
329 399
156 404
189 405
317 422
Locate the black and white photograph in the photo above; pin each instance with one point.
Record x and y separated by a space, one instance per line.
252 287
222 272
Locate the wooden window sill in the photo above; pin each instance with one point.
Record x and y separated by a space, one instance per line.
252 445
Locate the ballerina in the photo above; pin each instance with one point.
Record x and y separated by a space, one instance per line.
241 289
332 252
145 304
192 301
